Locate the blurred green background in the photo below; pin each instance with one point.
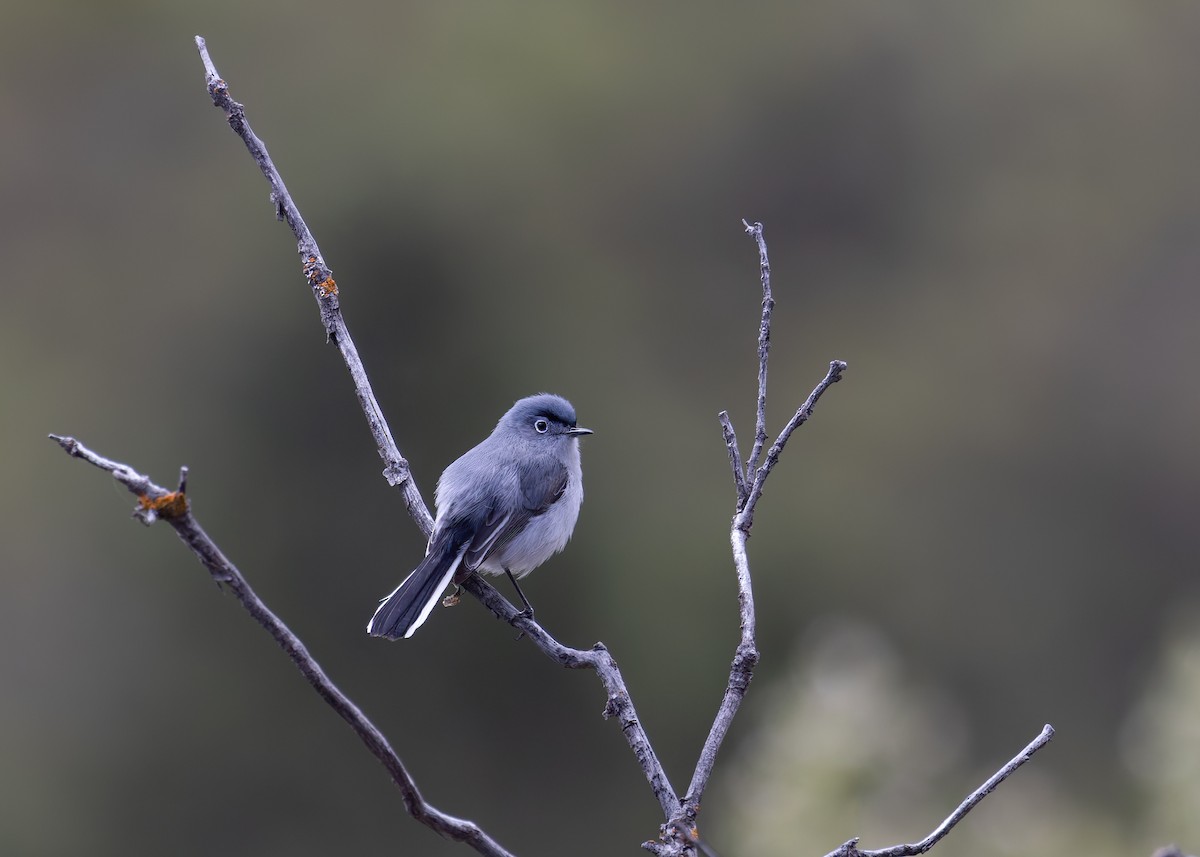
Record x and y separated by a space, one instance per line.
990 210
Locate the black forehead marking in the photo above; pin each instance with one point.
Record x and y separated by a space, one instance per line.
553 407
559 414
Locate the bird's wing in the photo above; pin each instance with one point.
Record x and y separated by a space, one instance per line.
541 482
496 526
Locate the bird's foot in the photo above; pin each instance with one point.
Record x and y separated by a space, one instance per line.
527 613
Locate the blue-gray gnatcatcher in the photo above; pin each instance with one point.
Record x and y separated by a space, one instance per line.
504 507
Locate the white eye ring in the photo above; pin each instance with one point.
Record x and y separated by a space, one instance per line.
541 426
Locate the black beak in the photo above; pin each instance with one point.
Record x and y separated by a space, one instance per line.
577 432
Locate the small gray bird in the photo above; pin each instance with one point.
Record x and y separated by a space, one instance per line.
504 507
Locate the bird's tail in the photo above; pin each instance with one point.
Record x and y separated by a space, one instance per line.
408 606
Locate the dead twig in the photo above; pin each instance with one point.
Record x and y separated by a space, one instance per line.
749 481
850 849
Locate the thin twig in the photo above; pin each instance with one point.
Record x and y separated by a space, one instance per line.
850 849
836 368
749 486
156 502
325 290
764 344
735 457
597 658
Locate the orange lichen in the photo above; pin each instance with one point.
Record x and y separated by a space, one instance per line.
172 505
318 278
312 269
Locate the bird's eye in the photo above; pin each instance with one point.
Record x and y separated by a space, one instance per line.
541 426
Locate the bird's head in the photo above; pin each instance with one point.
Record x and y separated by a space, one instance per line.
544 416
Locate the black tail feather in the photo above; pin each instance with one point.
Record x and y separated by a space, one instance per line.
402 612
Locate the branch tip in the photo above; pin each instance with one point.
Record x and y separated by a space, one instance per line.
69 444
764 348
850 848
735 457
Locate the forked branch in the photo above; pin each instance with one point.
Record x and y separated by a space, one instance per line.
679 836
748 483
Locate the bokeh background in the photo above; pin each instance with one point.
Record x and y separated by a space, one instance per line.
990 210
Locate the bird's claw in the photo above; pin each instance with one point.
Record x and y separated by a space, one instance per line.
527 613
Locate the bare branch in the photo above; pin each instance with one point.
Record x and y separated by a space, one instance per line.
325 290
764 344
836 368
735 457
597 658
746 656
850 848
745 659
156 502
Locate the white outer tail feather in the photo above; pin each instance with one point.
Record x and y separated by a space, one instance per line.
428 608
